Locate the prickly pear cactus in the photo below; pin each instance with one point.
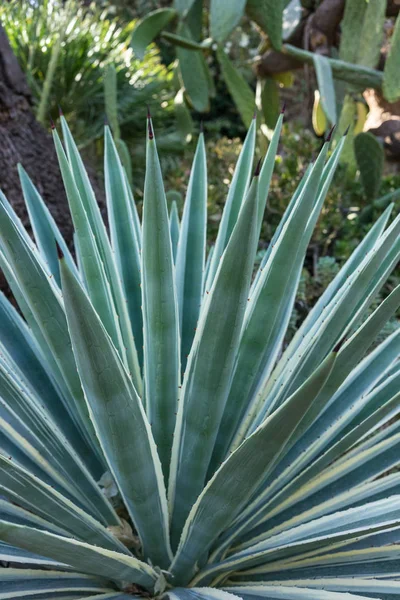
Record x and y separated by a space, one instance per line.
370 158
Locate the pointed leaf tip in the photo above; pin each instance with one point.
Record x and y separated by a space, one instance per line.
329 136
60 253
339 345
258 168
60 112
151 133
201 126
347 130
283 108
52 124
148 112
255 114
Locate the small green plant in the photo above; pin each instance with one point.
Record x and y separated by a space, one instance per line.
65 49
226 469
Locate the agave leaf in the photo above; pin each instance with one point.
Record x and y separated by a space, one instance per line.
16 555
124 236
174 227
267 169
190 257
237 192
84 557
95 277
97 226
282 592
147 29
337 584
44 227
45 303
32 421
208 265
340 316
207 378
362 420
14 582
15 514
42 349
378 562
201 593
22 349
160 311
232 485
350 266
136 220
267 305
224 17
109 596
376 515
369 491
332 400
48 503
106 383
282 222
344 475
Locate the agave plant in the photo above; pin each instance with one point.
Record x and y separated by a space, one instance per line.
240 470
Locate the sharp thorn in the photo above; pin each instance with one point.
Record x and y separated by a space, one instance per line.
329 136
258 168
60 253
151 133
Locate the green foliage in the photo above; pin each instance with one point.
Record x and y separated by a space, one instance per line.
370 159
238 87
354 63
224 17
352 25
391 87
326 87
268 15
223 464
149 28
371 34
270 101
93 40
193 74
